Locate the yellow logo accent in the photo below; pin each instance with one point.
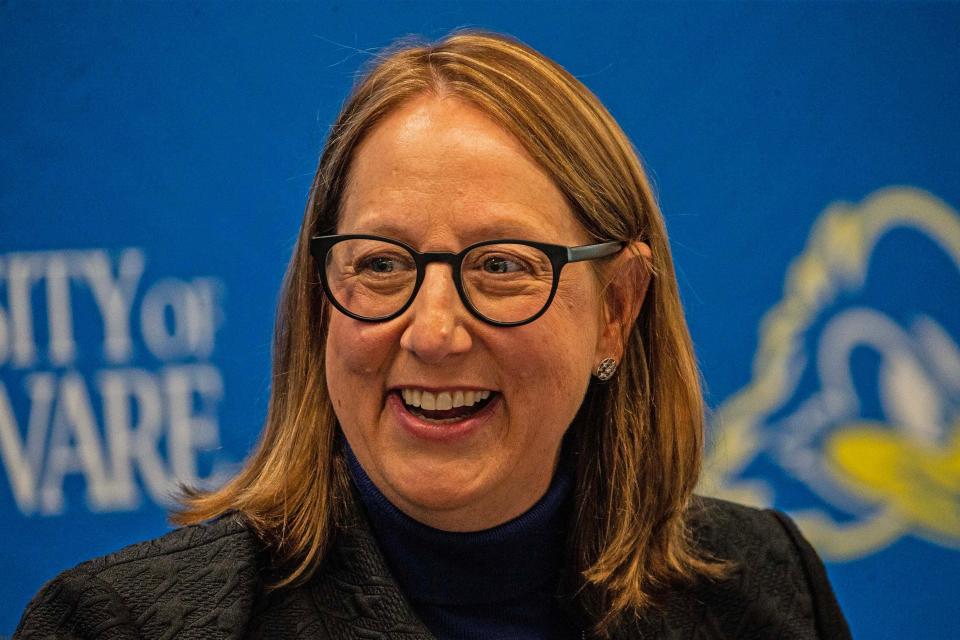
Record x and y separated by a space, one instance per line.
920 483
889 478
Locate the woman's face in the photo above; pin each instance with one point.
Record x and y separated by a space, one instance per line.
439 175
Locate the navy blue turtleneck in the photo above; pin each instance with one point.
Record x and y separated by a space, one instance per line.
497 583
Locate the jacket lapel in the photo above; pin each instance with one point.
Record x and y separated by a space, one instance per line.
356 596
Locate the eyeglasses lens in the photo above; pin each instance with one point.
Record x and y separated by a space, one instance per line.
504 282
507 282
370 278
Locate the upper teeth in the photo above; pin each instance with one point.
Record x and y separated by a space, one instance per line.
443 400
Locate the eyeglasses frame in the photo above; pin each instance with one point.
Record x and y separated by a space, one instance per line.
559 256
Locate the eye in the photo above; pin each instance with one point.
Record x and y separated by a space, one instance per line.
384 262
502 264
378 264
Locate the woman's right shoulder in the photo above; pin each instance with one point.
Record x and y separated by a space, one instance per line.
199 575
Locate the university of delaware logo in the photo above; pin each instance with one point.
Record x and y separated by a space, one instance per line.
854 402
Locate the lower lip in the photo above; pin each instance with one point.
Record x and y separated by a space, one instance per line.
446 431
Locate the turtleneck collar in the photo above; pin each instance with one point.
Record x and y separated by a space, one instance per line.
513 561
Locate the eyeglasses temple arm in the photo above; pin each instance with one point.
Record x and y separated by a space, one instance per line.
593 251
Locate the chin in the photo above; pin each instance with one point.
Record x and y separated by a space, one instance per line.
438 489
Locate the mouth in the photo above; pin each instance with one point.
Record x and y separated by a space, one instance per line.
445 407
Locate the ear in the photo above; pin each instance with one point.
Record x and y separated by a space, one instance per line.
626 279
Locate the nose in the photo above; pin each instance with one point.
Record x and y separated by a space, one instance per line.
436 319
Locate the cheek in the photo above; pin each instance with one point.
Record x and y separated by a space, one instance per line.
357 356
551 361
575 319
352 348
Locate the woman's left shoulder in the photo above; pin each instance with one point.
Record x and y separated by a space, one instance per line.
776 576
737 532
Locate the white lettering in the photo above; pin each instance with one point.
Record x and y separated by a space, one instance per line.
4 325
23 463
4 336
115 298
207 315
123 392
193 426
23 270
63 349
178 318
155 423
74 446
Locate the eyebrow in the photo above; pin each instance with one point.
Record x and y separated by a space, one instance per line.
477 232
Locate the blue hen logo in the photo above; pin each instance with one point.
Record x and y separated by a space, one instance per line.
851 421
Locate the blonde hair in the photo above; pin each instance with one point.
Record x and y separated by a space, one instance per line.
638 439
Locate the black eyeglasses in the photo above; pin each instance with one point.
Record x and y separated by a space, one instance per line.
503 282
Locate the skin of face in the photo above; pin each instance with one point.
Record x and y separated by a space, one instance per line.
438 174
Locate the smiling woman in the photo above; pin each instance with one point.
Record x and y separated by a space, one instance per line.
434 167
485 419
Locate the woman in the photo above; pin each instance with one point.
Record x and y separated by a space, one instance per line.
485 419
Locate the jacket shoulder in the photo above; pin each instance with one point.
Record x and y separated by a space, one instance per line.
196 581
732 531
776 586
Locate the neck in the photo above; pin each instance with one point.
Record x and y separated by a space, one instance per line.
512 560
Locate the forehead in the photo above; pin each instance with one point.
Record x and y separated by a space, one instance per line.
440 170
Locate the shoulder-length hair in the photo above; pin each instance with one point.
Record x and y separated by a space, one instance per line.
638 439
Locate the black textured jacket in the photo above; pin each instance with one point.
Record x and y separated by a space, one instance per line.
207 582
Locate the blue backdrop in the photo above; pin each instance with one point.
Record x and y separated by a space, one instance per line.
154 163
